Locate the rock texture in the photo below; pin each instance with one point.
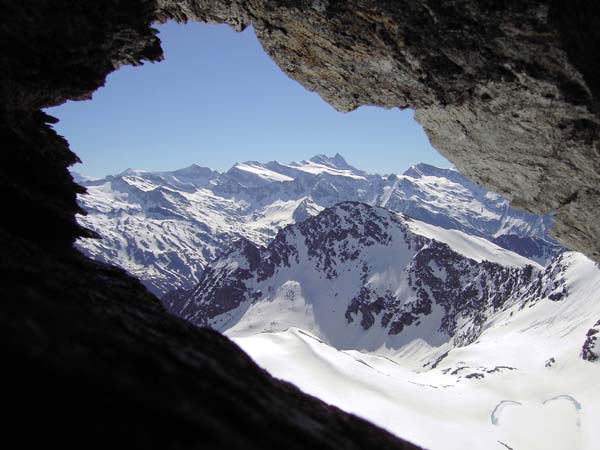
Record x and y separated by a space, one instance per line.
91 358
506 90
362 277
589 351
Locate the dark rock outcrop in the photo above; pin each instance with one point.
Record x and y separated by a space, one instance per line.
91 358
589 351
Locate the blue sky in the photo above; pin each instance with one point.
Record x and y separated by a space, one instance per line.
218 99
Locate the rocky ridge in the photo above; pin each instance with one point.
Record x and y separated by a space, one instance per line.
355 271
165 227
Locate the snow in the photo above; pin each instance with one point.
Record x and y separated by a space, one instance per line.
472 247
317 169
443 195
273 216
262 172
524 405
191 215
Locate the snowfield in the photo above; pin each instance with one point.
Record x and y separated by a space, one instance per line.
521 385
472 247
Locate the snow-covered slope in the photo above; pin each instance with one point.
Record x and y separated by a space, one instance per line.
522 384
417 328
164 227
444 197
360 277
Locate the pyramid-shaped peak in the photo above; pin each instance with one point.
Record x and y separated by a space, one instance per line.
335 162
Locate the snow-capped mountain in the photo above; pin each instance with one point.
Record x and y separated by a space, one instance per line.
464 318
526 382
165 227
362 277
417 328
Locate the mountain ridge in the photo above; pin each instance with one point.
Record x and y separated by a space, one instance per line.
165 227
376 268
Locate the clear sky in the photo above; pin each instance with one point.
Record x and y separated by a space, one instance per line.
218 99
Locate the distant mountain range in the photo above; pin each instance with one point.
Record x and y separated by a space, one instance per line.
165 227
419 301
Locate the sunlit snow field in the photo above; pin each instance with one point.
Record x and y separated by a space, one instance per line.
503 391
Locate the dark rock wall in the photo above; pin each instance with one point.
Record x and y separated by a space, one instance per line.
51 52
507 90
92 360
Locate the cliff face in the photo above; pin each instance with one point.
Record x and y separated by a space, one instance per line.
506 90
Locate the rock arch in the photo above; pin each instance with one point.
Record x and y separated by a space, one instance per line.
507 90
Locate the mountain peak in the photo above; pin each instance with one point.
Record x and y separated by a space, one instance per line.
254 173
305 210
195 170
130 171
335 162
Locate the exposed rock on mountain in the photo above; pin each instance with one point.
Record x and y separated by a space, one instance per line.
361 277
305 210
508 90
591 349
165 227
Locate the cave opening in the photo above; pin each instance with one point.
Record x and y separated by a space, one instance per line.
215 102
173 223
89 347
